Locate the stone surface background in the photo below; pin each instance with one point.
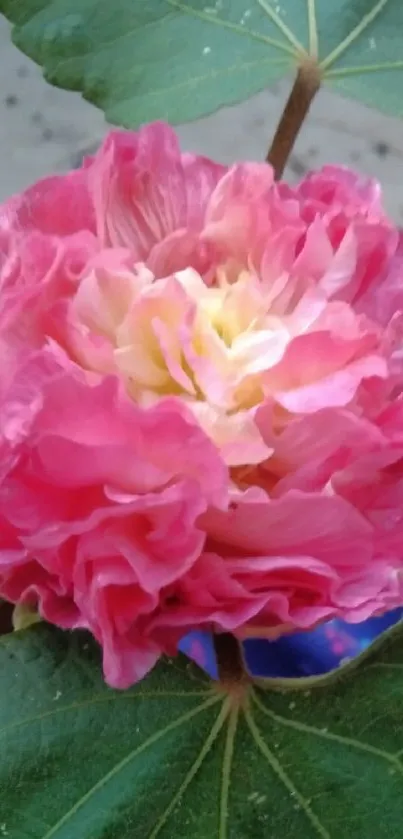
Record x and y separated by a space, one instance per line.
43 130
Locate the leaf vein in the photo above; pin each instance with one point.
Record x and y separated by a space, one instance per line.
212 75
99 700
226 771
227 24
354 34
279 770
326 735
218 724
154 738
282 27
186 83
343 72
313 29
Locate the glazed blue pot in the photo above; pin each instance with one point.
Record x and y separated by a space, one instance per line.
302 654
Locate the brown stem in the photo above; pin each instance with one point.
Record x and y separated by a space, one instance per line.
229 659
306 86
6 611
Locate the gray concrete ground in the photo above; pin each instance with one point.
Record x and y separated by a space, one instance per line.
43 130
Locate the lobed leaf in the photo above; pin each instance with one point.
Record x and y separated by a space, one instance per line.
177 756
141 60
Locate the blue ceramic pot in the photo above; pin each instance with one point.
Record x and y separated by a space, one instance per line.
302 654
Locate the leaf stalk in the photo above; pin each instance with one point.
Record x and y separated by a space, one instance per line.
304 90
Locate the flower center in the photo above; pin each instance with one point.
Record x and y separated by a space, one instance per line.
209 345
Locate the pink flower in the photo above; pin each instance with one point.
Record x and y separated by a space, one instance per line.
200 400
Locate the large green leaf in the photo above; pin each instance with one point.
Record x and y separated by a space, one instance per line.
174 757
179 59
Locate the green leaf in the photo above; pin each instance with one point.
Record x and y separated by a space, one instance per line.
178 757
141 60
361 47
